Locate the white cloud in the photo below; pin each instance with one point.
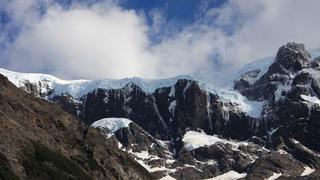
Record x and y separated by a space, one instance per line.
105 41
85 42
276 23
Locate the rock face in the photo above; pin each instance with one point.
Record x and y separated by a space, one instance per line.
290 86
158 158
40 141
167 113
281 141
274 163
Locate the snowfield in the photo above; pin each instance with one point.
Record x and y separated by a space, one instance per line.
194 140
231 175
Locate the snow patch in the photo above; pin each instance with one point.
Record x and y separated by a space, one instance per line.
311 99
282 90
307 171
194 140
167 178
231 175
281 151
209 111
225 112
120 145
112 124
172 92
272 131
274 176
144 155
186 88
172 107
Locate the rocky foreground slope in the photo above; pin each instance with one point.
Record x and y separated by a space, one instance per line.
267 127
40 141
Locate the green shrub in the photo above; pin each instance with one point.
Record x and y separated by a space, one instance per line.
42 163
5 170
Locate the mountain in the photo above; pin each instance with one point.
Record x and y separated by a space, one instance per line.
40 141
266 126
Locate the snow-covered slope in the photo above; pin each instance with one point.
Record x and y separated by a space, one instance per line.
112 124
260 65
78 88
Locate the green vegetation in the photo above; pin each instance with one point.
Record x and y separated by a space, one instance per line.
42 163
129 162
5 169
93 165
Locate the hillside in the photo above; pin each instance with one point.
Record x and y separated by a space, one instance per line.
40 141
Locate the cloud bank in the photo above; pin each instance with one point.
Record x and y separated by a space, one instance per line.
106 41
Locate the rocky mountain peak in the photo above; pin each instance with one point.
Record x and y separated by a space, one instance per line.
290 88
293 56
291 59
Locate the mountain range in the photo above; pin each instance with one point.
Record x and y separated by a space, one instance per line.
264 125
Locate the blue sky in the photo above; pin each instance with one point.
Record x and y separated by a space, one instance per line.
181 13
184 11
149 38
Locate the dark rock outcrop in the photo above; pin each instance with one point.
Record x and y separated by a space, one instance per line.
274 162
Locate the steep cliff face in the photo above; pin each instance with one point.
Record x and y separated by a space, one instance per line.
169 111
290 86
40 141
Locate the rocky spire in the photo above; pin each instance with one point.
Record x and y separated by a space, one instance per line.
293 56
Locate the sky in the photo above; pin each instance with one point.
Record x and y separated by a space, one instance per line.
96 39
